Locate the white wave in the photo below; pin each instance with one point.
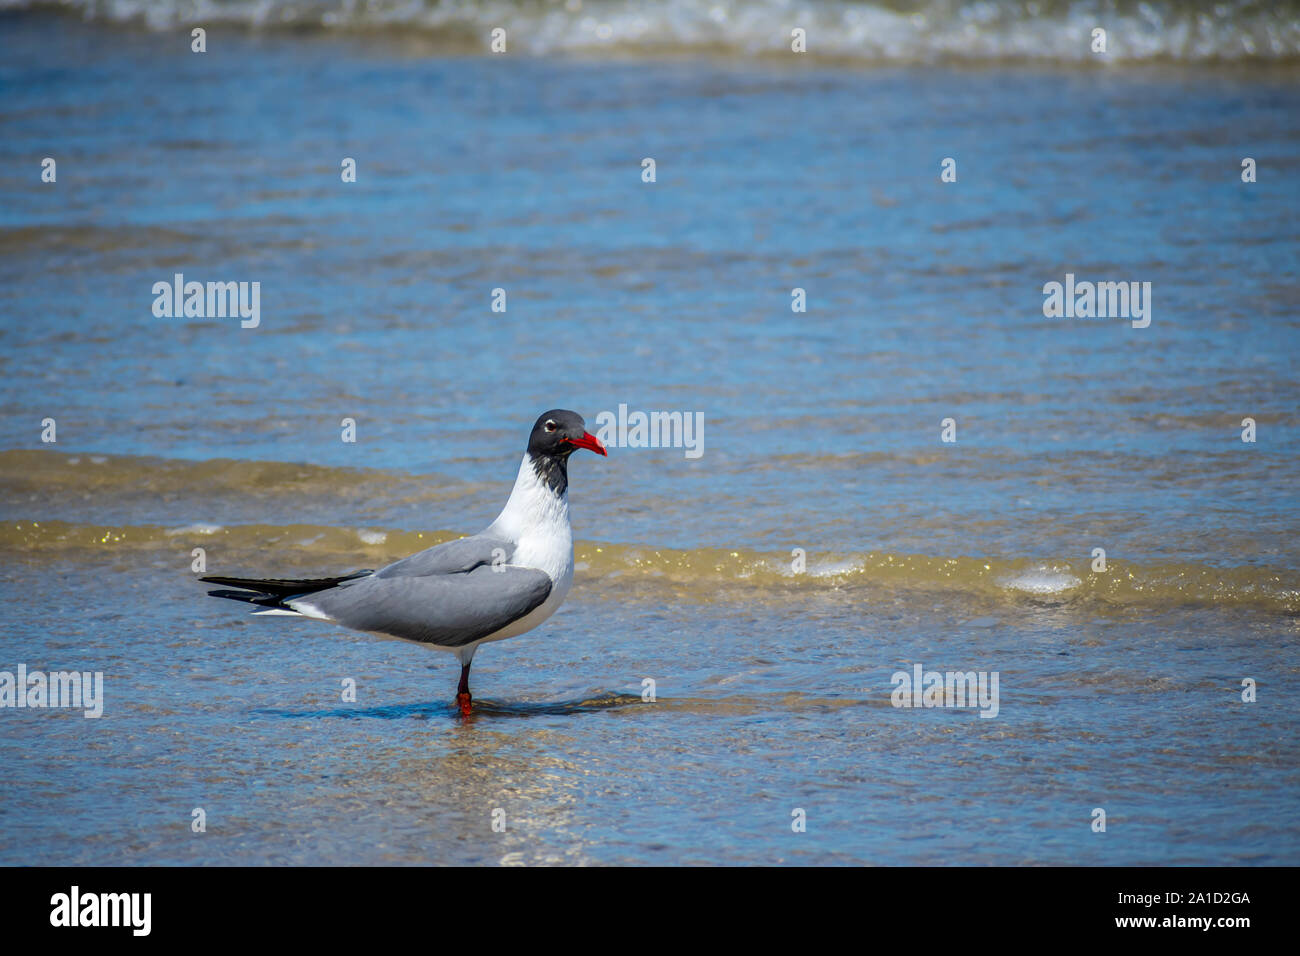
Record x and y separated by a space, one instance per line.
879 32
198 528
1040 581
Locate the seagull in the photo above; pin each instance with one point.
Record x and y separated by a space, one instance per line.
499 583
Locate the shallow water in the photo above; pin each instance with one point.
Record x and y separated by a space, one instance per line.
1119 689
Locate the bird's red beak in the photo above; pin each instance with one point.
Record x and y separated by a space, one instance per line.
589 442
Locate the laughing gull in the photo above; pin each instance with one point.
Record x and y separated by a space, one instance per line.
499 583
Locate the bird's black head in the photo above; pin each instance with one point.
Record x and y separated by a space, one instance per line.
556 436
559 433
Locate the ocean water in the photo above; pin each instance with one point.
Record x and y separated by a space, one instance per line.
821 537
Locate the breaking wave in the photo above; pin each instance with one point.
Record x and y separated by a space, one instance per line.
1040 31
696 574
102 498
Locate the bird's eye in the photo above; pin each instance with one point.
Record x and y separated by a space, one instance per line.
550 426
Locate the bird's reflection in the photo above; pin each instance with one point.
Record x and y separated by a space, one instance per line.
483 708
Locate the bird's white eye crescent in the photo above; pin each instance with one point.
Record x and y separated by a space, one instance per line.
550 426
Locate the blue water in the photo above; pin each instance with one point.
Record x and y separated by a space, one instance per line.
822 432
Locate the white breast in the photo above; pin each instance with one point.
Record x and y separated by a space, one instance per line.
537 520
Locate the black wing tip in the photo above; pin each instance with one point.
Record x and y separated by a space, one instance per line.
282 586
232 582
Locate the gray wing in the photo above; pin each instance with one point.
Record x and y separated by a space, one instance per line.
452 557
449 610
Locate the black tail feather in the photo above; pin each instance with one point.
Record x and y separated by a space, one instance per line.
271 592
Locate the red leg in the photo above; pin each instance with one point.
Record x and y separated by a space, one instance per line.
463 699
